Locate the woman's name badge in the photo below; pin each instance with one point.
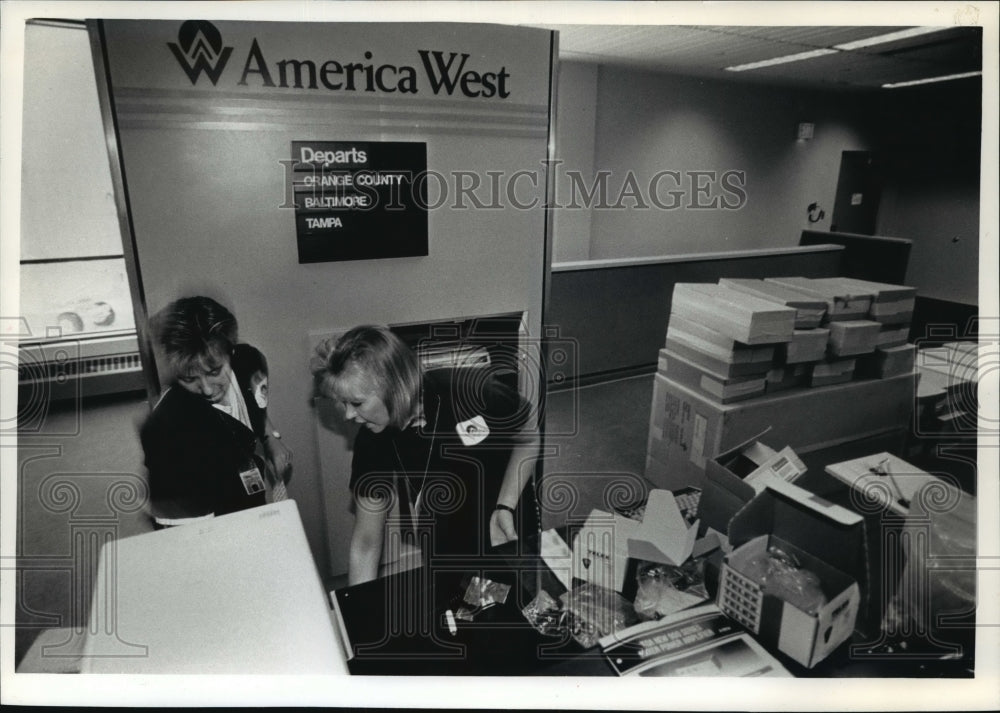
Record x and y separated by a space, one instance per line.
473 431
253 482
259 382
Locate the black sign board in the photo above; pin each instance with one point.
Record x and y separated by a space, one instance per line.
357 200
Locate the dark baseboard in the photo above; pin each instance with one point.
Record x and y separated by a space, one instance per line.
601 377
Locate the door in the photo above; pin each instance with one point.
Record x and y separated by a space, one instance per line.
859 188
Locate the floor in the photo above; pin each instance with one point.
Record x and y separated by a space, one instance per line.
595 449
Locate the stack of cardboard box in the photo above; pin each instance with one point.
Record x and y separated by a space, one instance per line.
793 359
735 348
807 332
721 343
869 325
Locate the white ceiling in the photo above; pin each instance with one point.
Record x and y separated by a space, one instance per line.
704 51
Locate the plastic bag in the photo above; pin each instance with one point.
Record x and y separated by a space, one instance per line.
664 589
546 615
596 611
480 594
939 533
778 573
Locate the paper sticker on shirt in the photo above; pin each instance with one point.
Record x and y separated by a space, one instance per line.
473 431
259 382
253 482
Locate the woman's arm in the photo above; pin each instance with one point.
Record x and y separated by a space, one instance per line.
366 540
183 460
519 469
278 453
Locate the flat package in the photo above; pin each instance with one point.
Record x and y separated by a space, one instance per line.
809 310
745 318
702 353
891 304
842 301
806 345
854 336
723 389
887 361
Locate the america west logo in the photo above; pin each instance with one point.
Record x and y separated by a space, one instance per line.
199 49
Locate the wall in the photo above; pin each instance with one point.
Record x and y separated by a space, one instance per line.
647 123
931 141
575 119
206 185
615 313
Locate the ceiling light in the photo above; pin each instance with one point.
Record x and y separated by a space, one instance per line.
890 37
781 60
846 46
929 80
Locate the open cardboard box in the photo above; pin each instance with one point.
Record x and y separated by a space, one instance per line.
663 536
608 547
733 478
600 549
825 539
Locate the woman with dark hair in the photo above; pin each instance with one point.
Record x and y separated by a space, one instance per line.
209 446
454 447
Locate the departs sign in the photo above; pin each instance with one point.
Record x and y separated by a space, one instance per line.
358 200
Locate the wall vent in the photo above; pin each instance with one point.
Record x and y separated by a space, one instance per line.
71 369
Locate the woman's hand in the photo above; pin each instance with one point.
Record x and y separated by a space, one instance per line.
280 456
502 528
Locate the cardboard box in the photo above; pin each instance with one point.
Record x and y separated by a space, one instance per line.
782 378
688 430
745 318
892 335
842 302
891 304
885 479
733 478
806 345
809 311
706 382
717 343
886 362
698 352
834 371
600 549
961 351
825 539
853 337
663 536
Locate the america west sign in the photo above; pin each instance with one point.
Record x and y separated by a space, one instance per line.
204 56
